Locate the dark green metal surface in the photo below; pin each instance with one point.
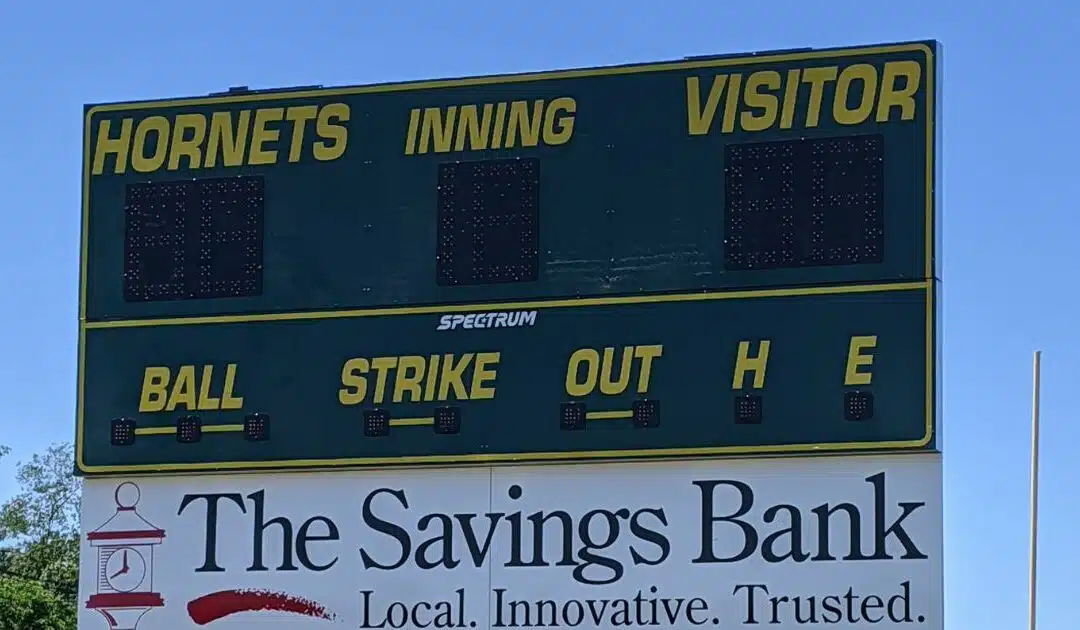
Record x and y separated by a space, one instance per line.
631 205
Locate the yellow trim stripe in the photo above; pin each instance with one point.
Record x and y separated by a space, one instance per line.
156 431
510 458
608 415
412 422
930 236
211 428
502 79
529 304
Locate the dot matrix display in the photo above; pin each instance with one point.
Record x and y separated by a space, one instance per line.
193 239
805 203
488 222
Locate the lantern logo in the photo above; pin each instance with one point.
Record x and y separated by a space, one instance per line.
125 576
125 563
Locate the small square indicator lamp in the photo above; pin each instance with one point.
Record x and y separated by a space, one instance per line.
257 427
572 416
376 422
748 409
188 429
122 432
645 414
447 420
858 406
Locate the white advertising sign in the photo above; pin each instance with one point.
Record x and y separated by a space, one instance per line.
781 543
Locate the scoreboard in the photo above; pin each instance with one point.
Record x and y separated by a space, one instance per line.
709 256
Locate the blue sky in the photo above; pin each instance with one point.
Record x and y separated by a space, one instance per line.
1010 197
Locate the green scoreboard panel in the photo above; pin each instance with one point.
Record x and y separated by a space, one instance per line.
722 255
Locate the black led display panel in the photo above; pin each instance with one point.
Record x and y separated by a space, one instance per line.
488 222
805 203
193 239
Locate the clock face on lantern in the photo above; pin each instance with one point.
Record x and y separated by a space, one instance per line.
125 570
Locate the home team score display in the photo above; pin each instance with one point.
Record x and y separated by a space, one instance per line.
707 256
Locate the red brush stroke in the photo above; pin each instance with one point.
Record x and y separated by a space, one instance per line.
214 606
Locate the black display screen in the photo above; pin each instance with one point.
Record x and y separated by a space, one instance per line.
194 239
488 222
805 203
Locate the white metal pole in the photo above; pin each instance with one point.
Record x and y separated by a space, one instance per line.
1034 524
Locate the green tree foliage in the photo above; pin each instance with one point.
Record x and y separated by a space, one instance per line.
27 605
39 544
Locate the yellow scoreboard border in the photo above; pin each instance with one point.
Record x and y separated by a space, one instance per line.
927 284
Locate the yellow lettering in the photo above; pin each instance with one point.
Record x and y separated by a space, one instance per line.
745 363
228 400
334 134
602 371
482 375
223 138
261 134
755 98
382 367
206 401
432 377
183 390
159 127
415 378
437 131
770 100
859 72
184 146
557 129
497 129
189 391
410 135
452 376
904 97
791 96
478 127
155 389
354 384
299 117
817 77
856 358
471 128
753 102
591 359
607 385
731 104
646 354
118 146
410 371
521 122
699 119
